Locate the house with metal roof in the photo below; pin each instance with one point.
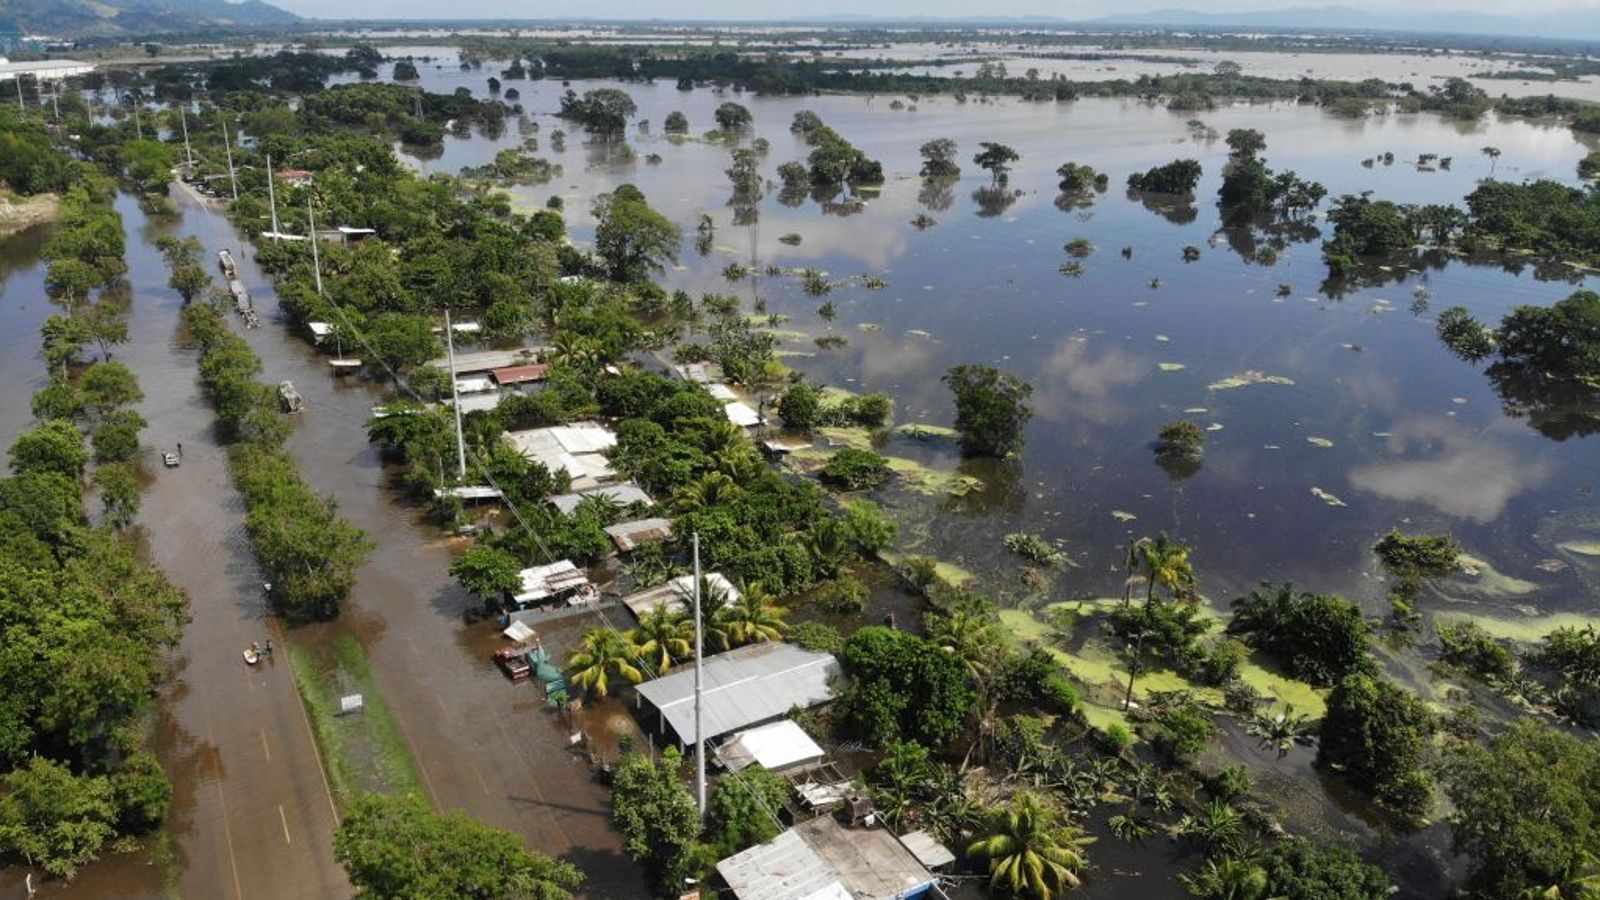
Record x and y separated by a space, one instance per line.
678 593
630 536
823 859
511 375
749 686
775 747
577 449
624 494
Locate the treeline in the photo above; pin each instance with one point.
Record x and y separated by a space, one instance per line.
29 161
310 554
85 625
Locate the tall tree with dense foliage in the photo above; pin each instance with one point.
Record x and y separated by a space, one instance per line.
659 822
1378 734
939 159
1319 638
1031 850
991 409
997 158
396 848
1527 809
633 239
903 687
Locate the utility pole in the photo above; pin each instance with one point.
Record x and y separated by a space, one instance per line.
455 397
183 119
272 200
138 127
55 98
20 104
227 146
316 261
699 650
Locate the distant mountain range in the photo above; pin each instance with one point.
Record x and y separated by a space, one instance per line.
1570 24
126 18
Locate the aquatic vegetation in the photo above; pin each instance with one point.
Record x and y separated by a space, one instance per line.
1034 548
1072 269
1079 247
1246 379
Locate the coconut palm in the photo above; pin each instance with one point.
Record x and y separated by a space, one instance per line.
712 489
1166 563
753 618
1226 879
713 597
1030 850
664 634
968 633
603 654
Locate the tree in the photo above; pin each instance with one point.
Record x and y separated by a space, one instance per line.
601 655
53 819
991 409
401 341
658 820
487 571
120 491
405 70
663 635
753 618
632 238
904 686
116 438
1376 733
1560 341
602 109
1493 153
1318 638
742 810
732 116
855 470
1227 878
939 159
997 158
105 386
1031 851
1079 179
1527 807
1166 563
1180 440
676 123
396 847
1180 176
53 446
801 406
1301 870
1464 335
1245 143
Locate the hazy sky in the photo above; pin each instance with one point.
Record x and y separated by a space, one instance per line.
756 9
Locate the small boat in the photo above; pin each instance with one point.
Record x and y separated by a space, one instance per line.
251 656
171 459
344 366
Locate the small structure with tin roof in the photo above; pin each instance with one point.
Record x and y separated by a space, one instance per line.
749 686
822 859
512 375
678 593
775 747
576 449
623 494
630 536
551 582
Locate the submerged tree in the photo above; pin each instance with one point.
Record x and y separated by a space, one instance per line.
939 159
991 409
997 158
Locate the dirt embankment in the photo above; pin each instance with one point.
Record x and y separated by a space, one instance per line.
20 213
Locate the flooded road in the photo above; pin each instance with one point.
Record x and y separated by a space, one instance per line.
252 815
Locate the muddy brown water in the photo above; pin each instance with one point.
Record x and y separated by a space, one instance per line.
253 816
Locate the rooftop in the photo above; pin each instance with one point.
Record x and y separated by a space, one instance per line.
677 593
743 687
574 449
625 494
629 536
44 68
484 360
542 582
519 374
823 860
780 745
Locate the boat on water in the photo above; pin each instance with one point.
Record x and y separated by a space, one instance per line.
225 260
251 656
171 459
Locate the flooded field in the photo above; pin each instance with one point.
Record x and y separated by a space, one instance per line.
1331 417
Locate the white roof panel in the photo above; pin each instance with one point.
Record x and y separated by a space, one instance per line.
744 687
773 747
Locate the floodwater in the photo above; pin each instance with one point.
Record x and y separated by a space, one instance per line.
1379 416
253 816
1405 435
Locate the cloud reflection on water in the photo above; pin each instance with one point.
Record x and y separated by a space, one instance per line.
1457 472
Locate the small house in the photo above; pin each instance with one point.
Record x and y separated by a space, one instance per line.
824 859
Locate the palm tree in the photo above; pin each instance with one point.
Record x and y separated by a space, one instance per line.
1030 850
603 654
713 597
753 618
712 489
1167 563
968 633
664 634
1226 879
1220 825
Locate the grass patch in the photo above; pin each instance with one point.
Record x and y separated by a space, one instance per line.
1528 630
364 751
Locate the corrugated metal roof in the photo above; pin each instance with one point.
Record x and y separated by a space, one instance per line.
629 536
625 494
928 851
741 414
540 582
743 687
773 747
678 593
519 374
784 868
